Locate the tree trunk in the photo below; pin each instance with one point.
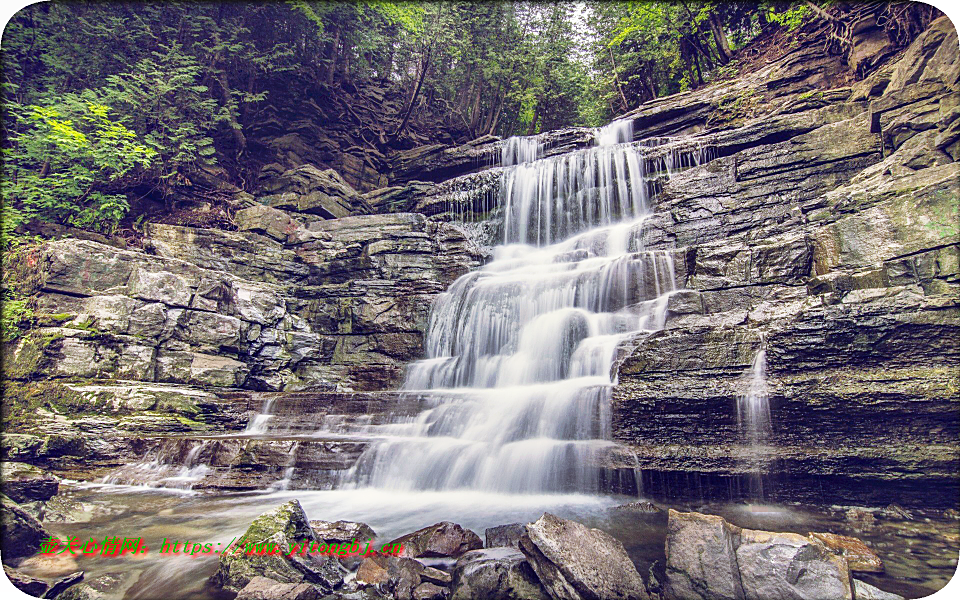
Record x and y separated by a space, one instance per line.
533 123
616 78
723 47
425 65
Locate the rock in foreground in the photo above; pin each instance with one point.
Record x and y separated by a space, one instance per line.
443 539
710 559
274 533
496 574
575 562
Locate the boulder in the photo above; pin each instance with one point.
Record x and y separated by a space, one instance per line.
23 483
262 588
575 562
264 550
338 532
307 189
865 591
20 533
267 220
788 566
710 559
391 575
443 539
496 574
859 556
701 558
503 536
430 591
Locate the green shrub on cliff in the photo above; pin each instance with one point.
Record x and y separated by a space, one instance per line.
65 162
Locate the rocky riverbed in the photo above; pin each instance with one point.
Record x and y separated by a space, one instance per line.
910 553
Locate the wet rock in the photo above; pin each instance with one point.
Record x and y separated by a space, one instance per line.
441 578
25 583
573 561
430 591
859 557
334 532
776 566
391 575
863 517
80 592
61 584
865 591
701 558
22 482
897 512
262 588
274 533
443 539
641 506
20 533
503 536
497 574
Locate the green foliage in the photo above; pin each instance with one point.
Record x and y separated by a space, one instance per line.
14 312
64 160
792 18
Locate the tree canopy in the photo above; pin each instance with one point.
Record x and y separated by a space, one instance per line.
108 102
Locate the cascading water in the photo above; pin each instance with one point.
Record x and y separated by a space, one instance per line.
520 352
753 406
753 421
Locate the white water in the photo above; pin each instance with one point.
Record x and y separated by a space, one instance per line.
520 353
753 406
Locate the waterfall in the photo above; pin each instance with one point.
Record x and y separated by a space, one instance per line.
517 150
520 353
753 406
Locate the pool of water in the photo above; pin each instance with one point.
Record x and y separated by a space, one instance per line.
920 552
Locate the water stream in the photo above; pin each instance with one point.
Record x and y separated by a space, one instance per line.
520 353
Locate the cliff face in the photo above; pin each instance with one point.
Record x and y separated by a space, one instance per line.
823 231
826 235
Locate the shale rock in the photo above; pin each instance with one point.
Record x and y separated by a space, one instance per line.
443 539
575 562
497 574
307 189
275 532
23 483
269 221
20 533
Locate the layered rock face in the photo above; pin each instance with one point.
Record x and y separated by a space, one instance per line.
825 235
180 337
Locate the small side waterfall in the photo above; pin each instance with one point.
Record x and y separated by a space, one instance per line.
753 406
520 353
754 425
